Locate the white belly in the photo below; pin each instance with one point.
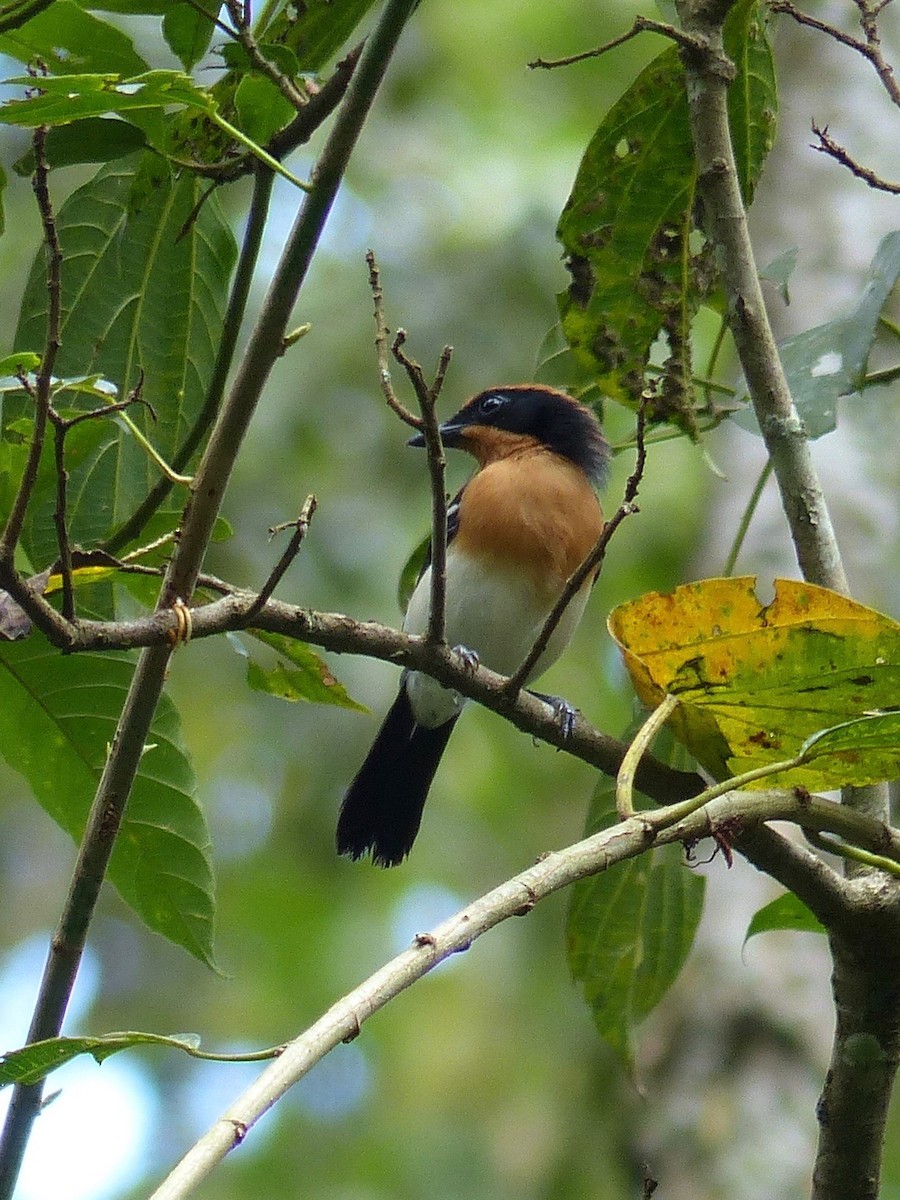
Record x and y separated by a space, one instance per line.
497 617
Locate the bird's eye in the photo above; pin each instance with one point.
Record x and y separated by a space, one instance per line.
493 403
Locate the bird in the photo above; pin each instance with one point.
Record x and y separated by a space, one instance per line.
516 532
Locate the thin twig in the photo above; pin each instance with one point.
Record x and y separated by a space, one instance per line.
747 517
427 395
296 98
60 519
44 378
205 12
641 25
639 746
591 564
382 334
300 527
827 145
870 49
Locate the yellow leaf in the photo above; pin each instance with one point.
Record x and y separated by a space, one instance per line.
756 680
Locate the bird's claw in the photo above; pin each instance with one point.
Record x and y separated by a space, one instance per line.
469 657
564 712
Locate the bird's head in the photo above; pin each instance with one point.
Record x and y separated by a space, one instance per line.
502 420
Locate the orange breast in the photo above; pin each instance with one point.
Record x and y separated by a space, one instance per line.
531 511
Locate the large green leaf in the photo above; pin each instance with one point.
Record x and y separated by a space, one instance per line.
630 930
73 97
67 39
93 140
143 291
58 715
627 228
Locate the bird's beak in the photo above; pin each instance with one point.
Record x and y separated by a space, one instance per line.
450 433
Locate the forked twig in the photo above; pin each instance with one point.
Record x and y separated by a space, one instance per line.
427 396
300 527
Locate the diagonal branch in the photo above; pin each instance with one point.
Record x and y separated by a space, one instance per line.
515 897
591 564
827 145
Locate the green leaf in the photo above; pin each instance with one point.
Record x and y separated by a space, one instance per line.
33 1063
630 930
412 569
638 266
93 140
875 734
58 716
12 364
785 912
307 678
69 98
2 190
316 30
144 291
828 363
69 41
753 97
261 108
187 32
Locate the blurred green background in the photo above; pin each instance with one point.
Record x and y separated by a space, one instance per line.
486 1081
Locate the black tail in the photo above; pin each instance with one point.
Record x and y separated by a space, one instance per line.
383 806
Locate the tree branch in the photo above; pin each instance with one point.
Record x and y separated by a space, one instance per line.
41 390
865 987
827 145
427 396
516 897
209 486
804 503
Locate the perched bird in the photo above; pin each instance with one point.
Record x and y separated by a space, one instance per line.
515 533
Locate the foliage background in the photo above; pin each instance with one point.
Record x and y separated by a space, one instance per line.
487 1080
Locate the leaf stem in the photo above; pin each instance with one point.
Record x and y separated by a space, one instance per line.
639 746
747 517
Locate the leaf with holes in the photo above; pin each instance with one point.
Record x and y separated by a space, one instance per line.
760 683
639 268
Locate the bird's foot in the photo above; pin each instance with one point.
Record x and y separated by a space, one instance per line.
564 712
469 657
